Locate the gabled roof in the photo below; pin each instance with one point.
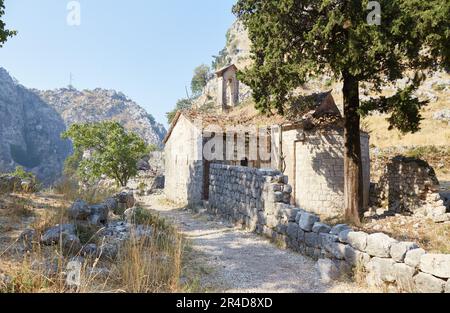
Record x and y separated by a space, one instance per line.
172 126
315 105
220 72
318 109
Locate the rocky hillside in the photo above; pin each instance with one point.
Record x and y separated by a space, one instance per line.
236 51
29 132
31 122
86 106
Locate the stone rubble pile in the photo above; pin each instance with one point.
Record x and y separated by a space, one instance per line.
95 221
409 185
259 200
11 183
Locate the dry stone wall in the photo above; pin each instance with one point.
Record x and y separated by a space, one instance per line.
246 195
259 200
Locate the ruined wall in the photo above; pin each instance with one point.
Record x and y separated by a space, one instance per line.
409 185
183 164
228 90
315 168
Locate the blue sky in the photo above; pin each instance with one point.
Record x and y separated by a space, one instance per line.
144 48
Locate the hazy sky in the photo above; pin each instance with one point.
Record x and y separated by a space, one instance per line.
144 48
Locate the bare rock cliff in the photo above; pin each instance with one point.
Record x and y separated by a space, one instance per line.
29 132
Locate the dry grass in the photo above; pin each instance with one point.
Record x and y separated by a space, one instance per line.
17 208
360 274
381 137
150 265
433 237
71 191
146 264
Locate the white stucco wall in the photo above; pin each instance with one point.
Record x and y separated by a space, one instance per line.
183 163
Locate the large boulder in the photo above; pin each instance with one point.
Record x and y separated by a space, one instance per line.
312 240
355 257
379 245
125 200
335 250
436 264
53 235
307 221
404 275
116 233
96 215
357 240
112 204
321 228
79 210
412 257
99 214
426 283
63 235
292 231
337 229
399 250
380 271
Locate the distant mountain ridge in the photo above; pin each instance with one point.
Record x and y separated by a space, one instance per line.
96 105
31 122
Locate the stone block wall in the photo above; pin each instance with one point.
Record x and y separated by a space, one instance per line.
315 167
247 195
259 200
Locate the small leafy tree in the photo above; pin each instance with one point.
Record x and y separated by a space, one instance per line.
182 104
295 40
200 79
4 33
105 148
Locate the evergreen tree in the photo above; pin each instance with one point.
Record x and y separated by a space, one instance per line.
294 40
4 33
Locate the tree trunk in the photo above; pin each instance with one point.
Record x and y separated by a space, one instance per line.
353 178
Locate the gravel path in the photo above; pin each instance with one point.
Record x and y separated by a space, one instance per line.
241 261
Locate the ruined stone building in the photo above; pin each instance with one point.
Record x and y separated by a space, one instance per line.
228 87
306 145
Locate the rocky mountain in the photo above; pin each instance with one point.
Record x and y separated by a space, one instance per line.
31 123
96 105
29 132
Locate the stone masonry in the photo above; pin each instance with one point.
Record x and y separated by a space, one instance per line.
315 167
409 185
248 196
259 200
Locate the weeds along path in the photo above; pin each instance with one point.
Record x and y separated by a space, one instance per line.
232 260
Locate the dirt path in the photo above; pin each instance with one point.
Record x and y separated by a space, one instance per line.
241 261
